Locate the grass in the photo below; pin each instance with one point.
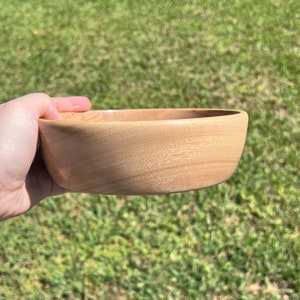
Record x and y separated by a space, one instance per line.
237 240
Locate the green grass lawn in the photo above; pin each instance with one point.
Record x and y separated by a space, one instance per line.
237 240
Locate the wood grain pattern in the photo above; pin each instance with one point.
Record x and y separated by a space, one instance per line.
150 151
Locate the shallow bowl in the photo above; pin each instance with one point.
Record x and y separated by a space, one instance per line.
143 151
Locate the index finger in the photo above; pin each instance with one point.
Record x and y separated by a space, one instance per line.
72 104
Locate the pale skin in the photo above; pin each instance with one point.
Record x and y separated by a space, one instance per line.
24 180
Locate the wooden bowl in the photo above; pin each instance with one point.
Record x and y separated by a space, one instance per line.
143 151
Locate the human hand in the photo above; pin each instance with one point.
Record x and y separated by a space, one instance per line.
24 180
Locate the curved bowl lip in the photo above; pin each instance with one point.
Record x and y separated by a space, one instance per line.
227 113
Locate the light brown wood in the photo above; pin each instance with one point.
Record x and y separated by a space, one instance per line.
147 151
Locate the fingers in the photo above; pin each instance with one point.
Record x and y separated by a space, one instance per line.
40 105
31 107
43 106
73 104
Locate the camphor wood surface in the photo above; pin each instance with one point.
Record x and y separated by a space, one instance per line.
147 151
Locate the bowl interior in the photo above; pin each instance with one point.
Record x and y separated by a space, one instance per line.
144 114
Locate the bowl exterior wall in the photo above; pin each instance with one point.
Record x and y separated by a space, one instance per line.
129 158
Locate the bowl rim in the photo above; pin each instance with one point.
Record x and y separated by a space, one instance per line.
223 113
